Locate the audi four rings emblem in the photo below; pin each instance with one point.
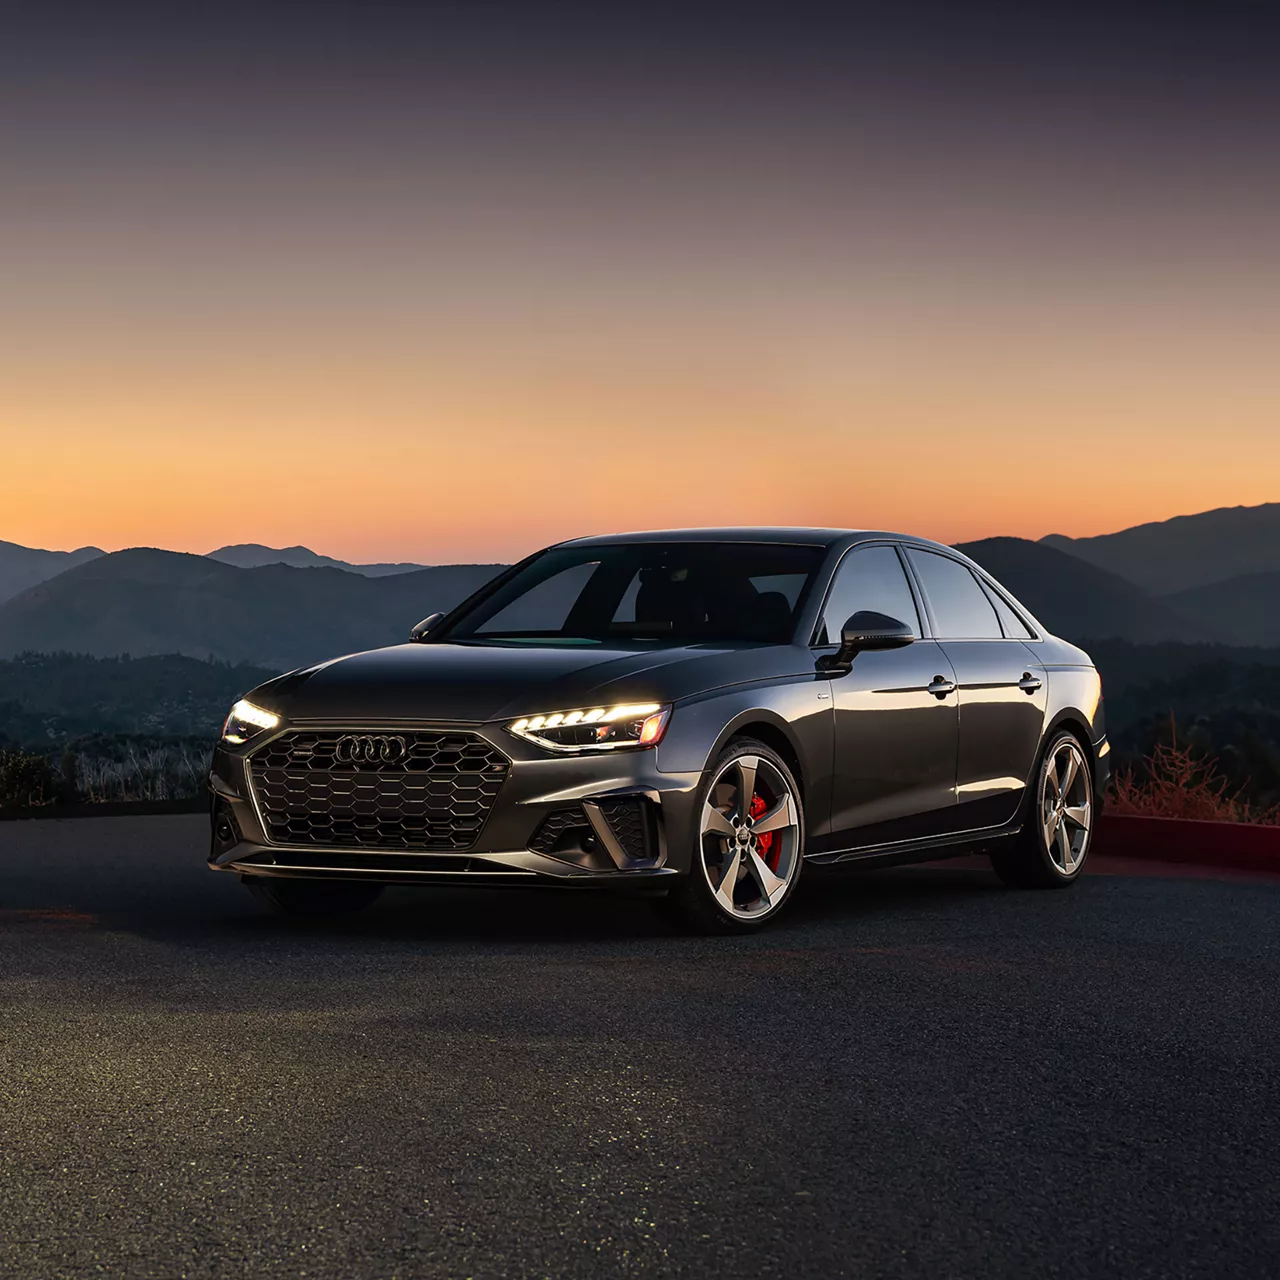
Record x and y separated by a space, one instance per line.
366 748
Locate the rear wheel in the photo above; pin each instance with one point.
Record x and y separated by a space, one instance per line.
750 844
312 897
1051 850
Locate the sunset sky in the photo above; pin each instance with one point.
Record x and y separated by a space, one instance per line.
448 282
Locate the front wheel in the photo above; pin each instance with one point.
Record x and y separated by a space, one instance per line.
1050 851
312 897
749 843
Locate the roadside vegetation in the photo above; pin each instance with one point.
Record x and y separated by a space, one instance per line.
1175 781
82 730
105 770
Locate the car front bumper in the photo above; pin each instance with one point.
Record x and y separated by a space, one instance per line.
597 798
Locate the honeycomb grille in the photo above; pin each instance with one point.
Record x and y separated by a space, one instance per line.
415 790
631 825
555 825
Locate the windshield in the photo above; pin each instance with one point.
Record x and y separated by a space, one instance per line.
662 592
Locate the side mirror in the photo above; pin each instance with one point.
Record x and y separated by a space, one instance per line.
419 633
866 630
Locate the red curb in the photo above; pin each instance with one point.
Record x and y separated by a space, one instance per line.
1235 845
1124 844
1177 870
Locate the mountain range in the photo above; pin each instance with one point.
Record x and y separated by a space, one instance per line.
1208 578
1077 600
1188 551
253 555
23 567
145 602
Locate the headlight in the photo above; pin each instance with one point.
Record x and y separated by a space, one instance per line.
247 721
596 729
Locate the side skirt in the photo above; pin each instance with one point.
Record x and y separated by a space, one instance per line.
907 851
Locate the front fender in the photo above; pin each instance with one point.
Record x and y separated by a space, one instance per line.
794 716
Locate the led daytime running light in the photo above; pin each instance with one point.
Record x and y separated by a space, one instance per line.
631 724
247 715
597 715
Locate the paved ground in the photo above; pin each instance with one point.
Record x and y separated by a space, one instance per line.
918 1074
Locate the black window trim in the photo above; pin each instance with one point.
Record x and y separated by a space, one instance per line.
990 588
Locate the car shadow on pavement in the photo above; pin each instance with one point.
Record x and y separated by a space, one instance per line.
146 877
526 917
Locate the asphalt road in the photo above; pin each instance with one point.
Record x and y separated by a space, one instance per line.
914 1074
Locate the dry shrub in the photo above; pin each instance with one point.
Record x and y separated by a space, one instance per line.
1173 782
25 779
155 773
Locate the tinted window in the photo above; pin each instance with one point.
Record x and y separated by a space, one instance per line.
786 585
960 606
545 606
872 578
1014 627
657 592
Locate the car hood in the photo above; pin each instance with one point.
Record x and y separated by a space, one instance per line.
463 682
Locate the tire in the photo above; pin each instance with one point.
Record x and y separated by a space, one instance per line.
1057 831
765 865
312 897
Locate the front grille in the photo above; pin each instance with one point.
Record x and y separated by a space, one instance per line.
428 789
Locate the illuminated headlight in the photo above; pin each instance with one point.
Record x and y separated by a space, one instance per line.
247 721
596 729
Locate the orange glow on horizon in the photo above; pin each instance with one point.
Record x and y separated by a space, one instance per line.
440 467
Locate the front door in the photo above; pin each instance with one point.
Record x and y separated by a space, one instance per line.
895 717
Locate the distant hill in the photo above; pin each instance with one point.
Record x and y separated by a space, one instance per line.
1078 601
23 567
1187 551
144 602
253 555
1249 605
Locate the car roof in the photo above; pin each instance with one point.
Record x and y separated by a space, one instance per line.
807 536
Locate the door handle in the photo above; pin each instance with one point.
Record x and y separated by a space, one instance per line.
1029 683
940 686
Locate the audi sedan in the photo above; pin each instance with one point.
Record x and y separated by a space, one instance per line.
697 714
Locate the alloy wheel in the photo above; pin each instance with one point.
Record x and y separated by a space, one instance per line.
750 837
1066 807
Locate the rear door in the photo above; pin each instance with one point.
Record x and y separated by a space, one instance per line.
895 715
1002 692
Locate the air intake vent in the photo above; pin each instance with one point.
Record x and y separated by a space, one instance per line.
631 822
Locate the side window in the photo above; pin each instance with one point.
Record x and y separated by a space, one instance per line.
960 606
1014 627
870 578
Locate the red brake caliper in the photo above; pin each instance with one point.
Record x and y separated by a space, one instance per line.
764 842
